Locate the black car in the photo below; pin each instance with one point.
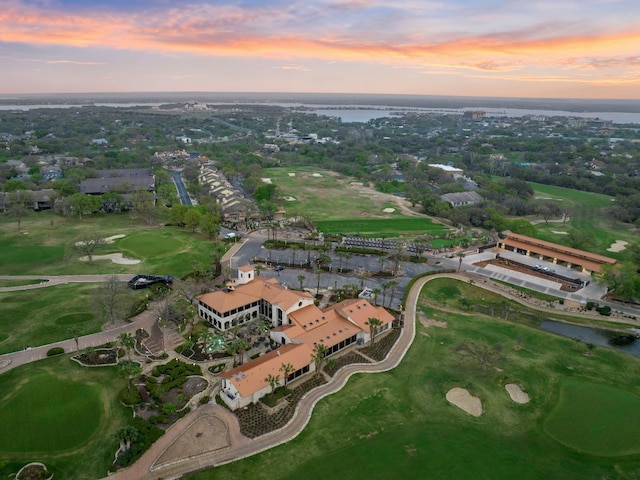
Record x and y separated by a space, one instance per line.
278 268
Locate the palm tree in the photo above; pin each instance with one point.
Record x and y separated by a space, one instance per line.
340 256
375 292
127 342
75 332
385 287
381 261
346 263
374 324
460 257
393 285
129 370
318 273
272 380
126 436
293 254
301 279
287 369
318 356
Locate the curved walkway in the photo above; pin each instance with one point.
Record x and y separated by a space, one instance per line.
51 280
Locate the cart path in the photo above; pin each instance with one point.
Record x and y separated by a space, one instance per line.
51 280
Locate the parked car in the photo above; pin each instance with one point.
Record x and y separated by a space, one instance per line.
537 267
278 268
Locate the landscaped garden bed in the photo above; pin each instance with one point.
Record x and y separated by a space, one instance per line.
34 471
256 419
346 359
382 346
98 357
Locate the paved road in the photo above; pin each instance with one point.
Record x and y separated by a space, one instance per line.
185 199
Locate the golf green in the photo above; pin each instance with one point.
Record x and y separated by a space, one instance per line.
596 419
35 416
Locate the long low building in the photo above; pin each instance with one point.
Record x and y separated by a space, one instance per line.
569 257
298 326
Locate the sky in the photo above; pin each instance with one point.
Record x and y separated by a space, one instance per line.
500 48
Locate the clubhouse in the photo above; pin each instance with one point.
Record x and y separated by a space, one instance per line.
559 254
298 326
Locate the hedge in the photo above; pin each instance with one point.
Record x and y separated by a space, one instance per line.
55 351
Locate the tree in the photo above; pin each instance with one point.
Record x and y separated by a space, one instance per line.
128 370
483 354
287 369
111 300
460 257
393 284
318 273
74 331
272 380
318 355
385 286
127 342
144 205
301 279
82 204
293 254
374 324
126 436
192 219
210 224
177 214
14 185
19 202
88 244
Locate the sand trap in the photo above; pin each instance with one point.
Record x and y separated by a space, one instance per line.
389 210
617 246
357 184
289 199
114 257
291 174
516 393
430 323
557 232
462 399
266 180
316 175
107 240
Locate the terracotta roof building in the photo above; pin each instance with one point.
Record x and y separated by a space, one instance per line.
569 257
298 326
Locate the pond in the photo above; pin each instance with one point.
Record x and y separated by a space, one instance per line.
596 336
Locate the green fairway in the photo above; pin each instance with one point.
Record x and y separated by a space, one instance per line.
596 419
377 227
398 424
587 213
323 195
38 415
43 246
59 413
41 316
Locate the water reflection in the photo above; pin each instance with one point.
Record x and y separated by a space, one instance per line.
596 336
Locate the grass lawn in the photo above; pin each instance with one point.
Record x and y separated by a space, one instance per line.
338 204
42 246
59 413
38 317
587 214
378 227
606 424
398 424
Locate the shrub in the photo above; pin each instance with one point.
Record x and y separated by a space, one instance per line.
55 351
590 305
204 399
604 310
130 398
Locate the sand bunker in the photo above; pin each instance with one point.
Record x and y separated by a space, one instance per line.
357 184
516 393
430 323
266 180
617 246
462 399
389 210
291 174
114 257
316 175
557 232
107 240
289 199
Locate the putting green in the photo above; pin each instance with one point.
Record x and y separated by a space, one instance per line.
147 244
596 419
35 416
74 318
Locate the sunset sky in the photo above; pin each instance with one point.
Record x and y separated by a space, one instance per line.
532 48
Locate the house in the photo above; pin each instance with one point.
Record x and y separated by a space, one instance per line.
447 168
129 179
461 199
298 327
